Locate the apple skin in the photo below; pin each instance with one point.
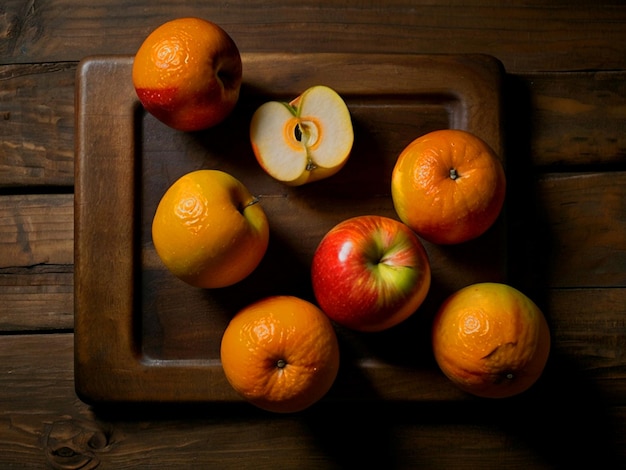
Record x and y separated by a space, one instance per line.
219 237
370 273
202 99
305 140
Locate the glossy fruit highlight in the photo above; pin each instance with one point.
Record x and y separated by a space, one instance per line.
370 273
187 73
449 186
491 340
209 230
281 354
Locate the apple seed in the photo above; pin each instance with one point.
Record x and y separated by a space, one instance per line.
297 132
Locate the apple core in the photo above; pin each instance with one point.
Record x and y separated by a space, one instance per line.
307 139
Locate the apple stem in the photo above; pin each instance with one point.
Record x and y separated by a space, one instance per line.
253 201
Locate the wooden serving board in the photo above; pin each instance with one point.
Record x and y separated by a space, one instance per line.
141 335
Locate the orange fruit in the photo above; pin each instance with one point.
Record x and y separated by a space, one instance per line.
188 73
280 353
209 230
448 186
491 340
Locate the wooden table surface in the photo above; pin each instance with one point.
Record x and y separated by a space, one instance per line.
564 108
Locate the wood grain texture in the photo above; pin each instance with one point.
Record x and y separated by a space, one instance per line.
37 124
564 139
36 262
566 229
36 230
53 429
37 299
594 203
36 279
581 352
557 36
577 119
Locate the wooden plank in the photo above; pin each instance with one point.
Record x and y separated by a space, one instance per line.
523 35
36 262
589 345
566 229
559 122
582 248
37 131
578 120
53 429
37 299
584 240
36 229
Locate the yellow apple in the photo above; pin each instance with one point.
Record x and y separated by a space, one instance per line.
305 140
209 230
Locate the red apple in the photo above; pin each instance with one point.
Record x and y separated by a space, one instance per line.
370 273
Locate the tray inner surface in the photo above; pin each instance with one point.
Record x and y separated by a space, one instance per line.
143 335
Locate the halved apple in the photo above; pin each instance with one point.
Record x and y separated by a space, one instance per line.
305 140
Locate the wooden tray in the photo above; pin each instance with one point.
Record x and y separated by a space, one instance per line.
143 336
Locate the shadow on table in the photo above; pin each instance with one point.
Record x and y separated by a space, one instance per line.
562 422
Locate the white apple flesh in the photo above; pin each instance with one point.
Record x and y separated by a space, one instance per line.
370 273
305 140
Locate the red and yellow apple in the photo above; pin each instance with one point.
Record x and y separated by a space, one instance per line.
305 140
370 273
187 73
209 230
